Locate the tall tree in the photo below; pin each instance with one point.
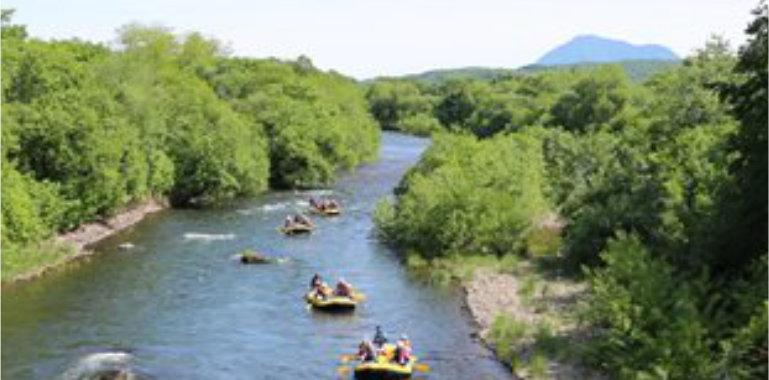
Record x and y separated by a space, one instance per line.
746 227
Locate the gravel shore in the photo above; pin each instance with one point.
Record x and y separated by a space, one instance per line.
90 233
491 293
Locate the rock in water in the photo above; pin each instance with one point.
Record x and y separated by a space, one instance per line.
250 257
102 366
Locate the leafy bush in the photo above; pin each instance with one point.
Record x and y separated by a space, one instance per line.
646 322
467 196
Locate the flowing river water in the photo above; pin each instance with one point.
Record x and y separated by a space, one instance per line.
179 306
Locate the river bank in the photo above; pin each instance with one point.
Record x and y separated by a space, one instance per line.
529 320
73 246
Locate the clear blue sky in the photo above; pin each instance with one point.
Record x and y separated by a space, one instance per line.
370 38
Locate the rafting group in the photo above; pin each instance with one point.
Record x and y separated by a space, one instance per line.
375 358
301 224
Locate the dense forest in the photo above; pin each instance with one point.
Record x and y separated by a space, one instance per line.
89 129
660 189
638 70
505 104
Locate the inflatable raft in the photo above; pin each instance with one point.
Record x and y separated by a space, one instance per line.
384 368
327 211
297 228
330 303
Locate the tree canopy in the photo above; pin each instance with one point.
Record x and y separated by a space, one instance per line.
88 130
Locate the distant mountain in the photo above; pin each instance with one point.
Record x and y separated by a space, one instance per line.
581 53
594 49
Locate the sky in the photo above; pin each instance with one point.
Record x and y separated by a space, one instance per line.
372 38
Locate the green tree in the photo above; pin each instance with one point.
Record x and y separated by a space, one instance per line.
601 99
647 323
8 29
468 196
459 101
744 235
402 105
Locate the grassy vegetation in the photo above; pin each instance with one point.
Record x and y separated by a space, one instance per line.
454 270
528 347
18 260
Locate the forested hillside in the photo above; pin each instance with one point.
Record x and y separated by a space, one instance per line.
659 190
638 70
506 103
442 75
89 129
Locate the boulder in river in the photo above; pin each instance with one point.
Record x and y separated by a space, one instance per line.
113 365
116 374
251 257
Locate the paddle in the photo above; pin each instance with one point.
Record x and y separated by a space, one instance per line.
348 358
343 370
359 296
421 367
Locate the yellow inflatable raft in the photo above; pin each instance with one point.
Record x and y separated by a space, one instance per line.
326 211
384 367
330 303
297 228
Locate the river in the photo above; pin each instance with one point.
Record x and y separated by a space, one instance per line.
179 306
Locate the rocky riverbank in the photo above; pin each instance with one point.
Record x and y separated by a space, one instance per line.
534 309
90 233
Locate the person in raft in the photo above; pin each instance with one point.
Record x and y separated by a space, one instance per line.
316 281
320 288
288 222
403 350
366 351
379 337
302 219
343 288
321 205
